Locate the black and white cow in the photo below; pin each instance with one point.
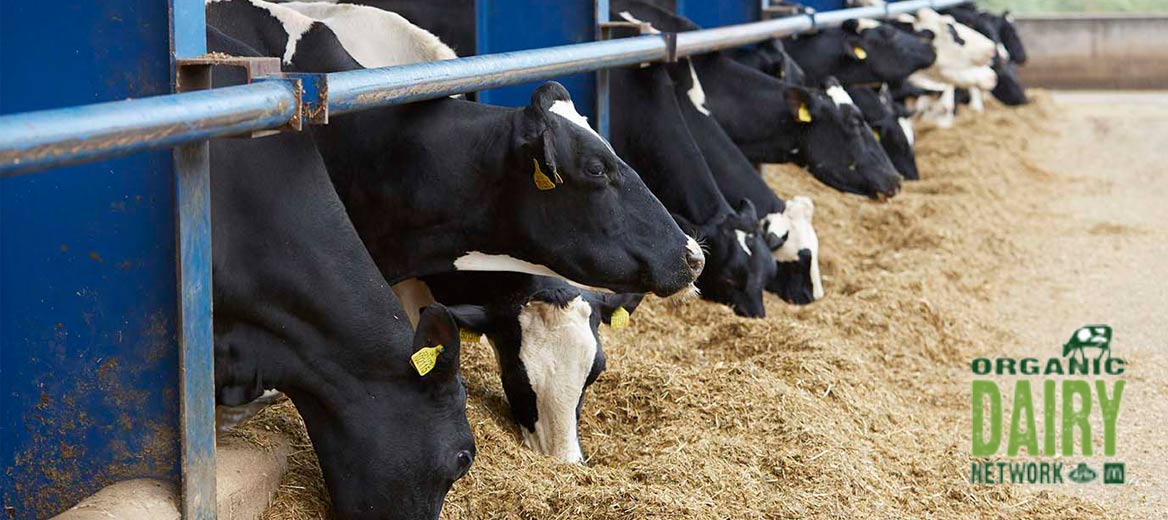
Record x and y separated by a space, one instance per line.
650 132
890 120
861 51
301 307
448 185
772 122
789 234
772 58
1009 89
545 336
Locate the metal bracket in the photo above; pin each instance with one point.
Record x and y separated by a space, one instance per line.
608 30
311 89
613 30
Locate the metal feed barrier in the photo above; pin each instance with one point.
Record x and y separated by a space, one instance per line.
43 139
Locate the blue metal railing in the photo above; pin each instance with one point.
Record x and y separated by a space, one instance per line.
46 139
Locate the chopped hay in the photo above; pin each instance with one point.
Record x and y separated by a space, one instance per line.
853 407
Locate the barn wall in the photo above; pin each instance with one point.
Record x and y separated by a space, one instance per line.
1096 52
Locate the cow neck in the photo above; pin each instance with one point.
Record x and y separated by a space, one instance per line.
420 181
731 170
751 107
297 298
660 147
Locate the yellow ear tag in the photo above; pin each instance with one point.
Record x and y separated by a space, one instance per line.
468 336
542 182
804 113
876 134
861 54
424 360
619 319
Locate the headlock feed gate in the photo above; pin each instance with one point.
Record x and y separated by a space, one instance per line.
106 369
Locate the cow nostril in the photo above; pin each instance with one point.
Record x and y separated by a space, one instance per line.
696 263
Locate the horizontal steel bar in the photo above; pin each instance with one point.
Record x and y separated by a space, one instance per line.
709 40
363 89
37 140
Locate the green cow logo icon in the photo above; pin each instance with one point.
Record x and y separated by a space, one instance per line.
1082 474
1089 336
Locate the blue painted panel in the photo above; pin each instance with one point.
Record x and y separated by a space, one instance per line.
88 359
825 5
716 13
514 25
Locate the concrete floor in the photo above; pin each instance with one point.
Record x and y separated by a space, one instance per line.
1098 254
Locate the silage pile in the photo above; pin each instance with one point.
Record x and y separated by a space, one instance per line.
854 407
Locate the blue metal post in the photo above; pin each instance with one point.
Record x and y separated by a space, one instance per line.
602 89
89 368
515 25
709 13
192 176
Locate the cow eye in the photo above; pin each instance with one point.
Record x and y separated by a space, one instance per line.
596 170
465 459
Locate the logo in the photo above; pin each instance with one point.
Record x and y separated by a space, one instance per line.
1054 402
1113 473
1082 474
1091 336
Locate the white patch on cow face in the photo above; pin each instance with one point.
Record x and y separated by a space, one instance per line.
629 18
907 126
799 213
863 24
694 249
557 349
295 24
567 110
776 224
697 96
479 261
839 96
741 236
375 37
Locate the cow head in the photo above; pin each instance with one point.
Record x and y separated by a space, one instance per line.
771 58
1009 89
889 54
1008 35
892 126
740 263
392 448
549 353
838 146
581 211
957 45
797 279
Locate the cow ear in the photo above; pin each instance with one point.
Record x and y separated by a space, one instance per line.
622 305
747 214
851 25
538 135
472 318
854 49
799 103
436 347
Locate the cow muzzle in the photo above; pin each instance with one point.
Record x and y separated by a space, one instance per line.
694 257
